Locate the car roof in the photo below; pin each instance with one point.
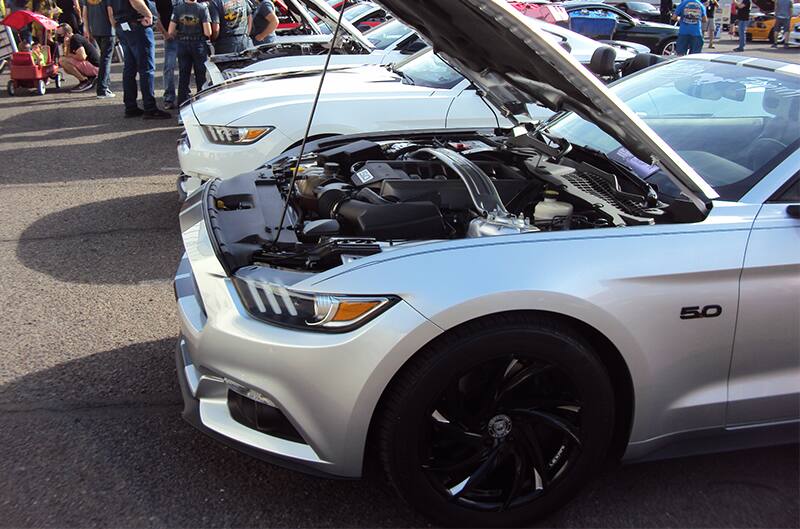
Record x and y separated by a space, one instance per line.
769 65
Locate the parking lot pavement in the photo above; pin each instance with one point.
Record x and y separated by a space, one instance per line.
90 433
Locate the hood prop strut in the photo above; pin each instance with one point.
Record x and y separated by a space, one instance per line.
308 125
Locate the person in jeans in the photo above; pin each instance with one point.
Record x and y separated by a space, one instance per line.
231 21
191 25
692 16
133 22
265 22
783 16
98 26
164 8
742 21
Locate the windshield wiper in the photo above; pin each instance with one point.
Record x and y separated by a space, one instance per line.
403 75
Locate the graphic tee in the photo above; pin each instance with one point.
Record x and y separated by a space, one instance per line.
189 18
231 15
691 13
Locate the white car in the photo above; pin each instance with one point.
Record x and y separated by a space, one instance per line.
794 35
387 46
236 127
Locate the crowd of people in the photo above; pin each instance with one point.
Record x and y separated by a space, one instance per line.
191 29
89 29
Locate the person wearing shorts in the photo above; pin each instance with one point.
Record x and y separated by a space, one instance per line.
80 58
692 16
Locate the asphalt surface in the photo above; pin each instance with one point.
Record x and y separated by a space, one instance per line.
90 432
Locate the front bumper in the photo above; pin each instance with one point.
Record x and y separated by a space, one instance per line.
326 385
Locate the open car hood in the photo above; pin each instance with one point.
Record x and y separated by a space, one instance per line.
499 50
330 16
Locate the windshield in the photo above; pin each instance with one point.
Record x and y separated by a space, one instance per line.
352 13
429 70
643 7
730 123
387 34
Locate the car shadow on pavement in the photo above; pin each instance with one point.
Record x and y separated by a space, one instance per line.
99 441
119 241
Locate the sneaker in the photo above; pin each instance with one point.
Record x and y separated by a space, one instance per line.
737 49
711 46
106 95
774 46
169 105
83 86
134 113
156 114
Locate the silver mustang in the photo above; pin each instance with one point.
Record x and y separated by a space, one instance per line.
482 317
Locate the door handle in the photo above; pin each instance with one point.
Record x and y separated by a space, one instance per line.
793 211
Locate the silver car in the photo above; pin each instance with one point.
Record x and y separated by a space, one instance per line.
482 317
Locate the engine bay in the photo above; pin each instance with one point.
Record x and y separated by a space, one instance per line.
349 199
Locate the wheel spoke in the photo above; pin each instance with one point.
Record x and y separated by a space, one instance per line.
534 450
455 432
481 472
457 467
520 378
520 465
553 420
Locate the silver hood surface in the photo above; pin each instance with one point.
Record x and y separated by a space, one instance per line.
501 51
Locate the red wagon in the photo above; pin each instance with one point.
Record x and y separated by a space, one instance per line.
25 71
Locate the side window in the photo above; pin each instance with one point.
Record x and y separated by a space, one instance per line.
790 192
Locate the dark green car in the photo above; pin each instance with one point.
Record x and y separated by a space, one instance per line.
660 38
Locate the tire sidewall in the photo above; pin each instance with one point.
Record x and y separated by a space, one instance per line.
571 355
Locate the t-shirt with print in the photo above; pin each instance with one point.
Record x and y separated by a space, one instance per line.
77 42
231 15
189 18
97 18
260 17
691 13
743 13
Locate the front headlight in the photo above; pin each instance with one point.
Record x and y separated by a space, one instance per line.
277 304
235 135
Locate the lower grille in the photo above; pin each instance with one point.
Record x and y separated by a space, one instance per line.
261 417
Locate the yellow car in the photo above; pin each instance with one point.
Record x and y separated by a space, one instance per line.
762 27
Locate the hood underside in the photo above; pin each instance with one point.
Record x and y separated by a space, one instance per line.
504 53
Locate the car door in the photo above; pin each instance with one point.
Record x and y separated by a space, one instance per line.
765 369
468 109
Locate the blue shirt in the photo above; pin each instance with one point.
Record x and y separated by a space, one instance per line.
691 13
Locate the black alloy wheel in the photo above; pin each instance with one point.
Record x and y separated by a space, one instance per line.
498 423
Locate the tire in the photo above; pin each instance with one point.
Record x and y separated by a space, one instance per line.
11 88
59 80
40 87
496 424
668 49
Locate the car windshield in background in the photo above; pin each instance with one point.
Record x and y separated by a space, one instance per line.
352 13
643 7
732 124
429 70
386 34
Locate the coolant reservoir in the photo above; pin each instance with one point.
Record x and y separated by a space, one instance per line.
551 207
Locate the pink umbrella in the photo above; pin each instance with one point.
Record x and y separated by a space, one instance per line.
19 19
